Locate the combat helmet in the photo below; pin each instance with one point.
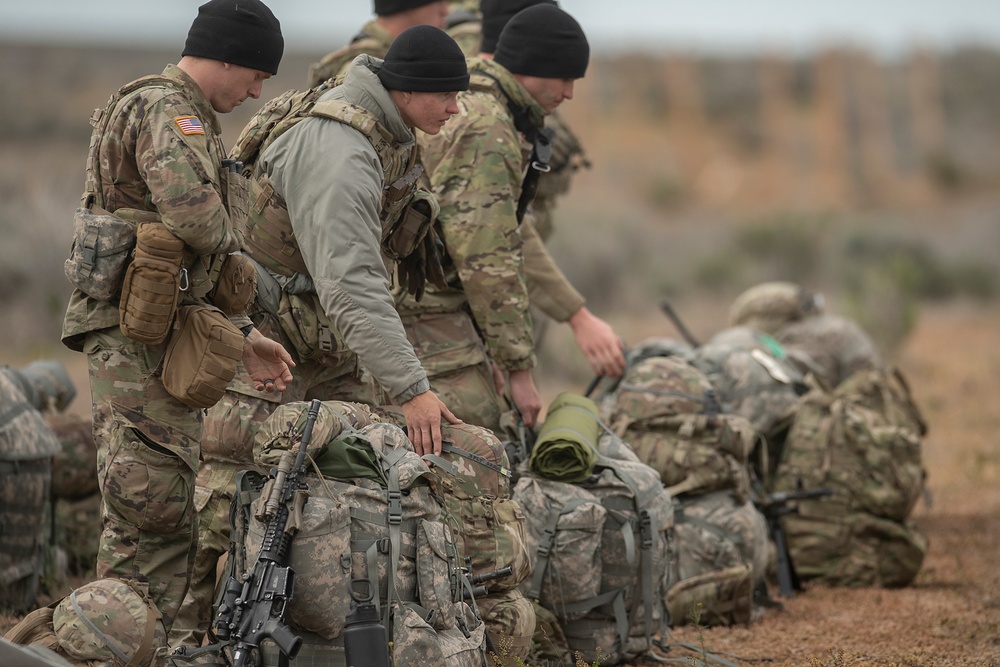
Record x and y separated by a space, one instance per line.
769 306
113 621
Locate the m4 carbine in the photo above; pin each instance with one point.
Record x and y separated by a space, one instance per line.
253 607
774 506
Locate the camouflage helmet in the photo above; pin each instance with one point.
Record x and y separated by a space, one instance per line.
769 306
110 620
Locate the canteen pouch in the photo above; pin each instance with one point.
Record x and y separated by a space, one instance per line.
152 285
236 287
201 356
405 236
102 248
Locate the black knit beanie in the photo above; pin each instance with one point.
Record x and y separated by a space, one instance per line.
543 41
239 32
496 13
387 7
424 59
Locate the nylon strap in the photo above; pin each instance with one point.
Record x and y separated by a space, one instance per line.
454 449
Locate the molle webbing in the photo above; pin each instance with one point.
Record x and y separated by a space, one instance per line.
270 238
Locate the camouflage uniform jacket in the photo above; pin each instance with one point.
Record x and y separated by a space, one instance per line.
373 40
150 162
331 180
476 165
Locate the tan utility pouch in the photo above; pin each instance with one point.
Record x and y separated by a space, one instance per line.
152 284
102 248
236 287
202 356
408 232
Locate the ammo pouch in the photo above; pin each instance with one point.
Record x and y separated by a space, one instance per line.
201 356
406 234
236 286
152 284
102 248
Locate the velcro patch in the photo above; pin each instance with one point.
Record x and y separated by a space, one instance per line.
189 125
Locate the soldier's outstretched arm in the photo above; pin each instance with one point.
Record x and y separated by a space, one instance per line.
423 415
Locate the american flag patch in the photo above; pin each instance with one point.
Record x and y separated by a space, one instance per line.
189 125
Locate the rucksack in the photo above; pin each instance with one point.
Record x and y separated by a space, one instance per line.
27 446
473 480
378 518
667 411
600 553
723 553
752 377
863 441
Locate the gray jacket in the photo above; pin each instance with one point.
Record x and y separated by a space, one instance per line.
332 181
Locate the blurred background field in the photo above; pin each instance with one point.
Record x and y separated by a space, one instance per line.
873 179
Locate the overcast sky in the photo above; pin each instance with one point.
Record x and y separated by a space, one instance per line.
888 26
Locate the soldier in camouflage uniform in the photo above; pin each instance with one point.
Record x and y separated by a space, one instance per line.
480 38
494 259
348 279
162 154
392 17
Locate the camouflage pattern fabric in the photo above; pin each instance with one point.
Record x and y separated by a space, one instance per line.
110 620
831 347
863 440
454 356
510 623
227 448
752 376
548 645
73 473
163 145
567 159
147 462
607 595
722 552
770 306
485 261
666 410
78 533
148 134
373 40
343 525
27 446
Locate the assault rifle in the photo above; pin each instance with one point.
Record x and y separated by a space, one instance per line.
253 607
774 506
478 581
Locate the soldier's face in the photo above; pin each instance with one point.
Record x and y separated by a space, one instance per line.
427 112
234 85
549 93
433 13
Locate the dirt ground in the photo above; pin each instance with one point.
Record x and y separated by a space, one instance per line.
951 615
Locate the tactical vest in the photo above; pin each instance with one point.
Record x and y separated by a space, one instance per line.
269 228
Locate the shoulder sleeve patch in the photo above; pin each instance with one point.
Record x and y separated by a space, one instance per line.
189 125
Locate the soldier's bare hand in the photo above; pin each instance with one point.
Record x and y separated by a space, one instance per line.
499 381
599 343
525 396
423 415
267 361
